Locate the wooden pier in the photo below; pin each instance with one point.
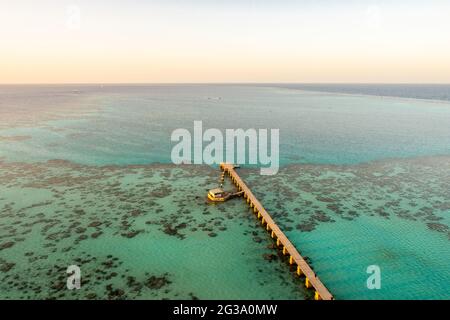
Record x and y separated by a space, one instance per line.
311 280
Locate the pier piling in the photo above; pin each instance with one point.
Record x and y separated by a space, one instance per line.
303 268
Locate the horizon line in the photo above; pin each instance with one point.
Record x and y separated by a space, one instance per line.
223 83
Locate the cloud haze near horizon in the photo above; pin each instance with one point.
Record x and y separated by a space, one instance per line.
173 41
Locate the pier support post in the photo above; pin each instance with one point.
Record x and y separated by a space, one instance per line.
320 292
307 283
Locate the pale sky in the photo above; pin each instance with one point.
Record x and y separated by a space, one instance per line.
173 41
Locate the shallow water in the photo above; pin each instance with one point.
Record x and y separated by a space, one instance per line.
393 214
124 225
364 181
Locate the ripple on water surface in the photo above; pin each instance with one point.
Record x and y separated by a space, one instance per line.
394 214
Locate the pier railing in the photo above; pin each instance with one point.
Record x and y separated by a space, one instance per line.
303 268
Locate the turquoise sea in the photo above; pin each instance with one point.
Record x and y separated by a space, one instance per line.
86 179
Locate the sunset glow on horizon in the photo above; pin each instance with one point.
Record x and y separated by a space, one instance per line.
224 41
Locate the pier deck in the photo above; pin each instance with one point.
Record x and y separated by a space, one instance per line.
303 268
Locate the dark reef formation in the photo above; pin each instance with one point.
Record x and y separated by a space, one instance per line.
50 211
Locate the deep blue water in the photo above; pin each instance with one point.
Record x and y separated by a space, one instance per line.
133 124
415 91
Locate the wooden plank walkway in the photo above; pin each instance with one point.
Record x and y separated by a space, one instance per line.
311 280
